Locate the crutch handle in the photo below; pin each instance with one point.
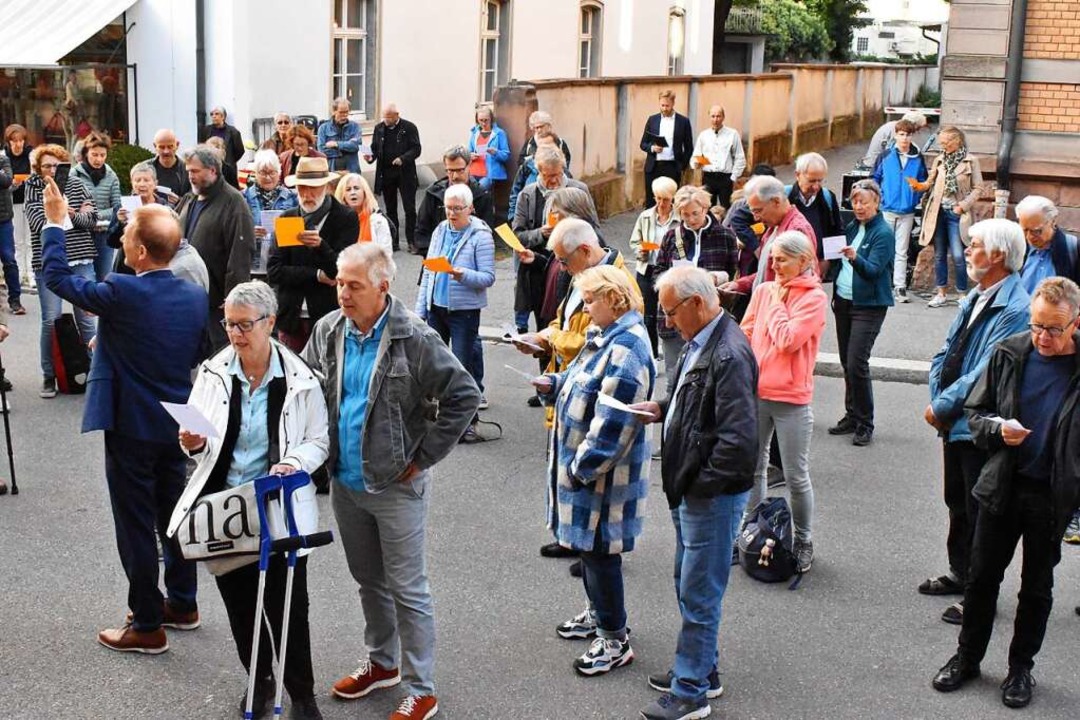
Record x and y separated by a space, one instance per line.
297 542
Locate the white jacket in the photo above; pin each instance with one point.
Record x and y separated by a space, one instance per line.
303 432
380 232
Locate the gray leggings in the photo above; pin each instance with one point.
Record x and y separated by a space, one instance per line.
794 425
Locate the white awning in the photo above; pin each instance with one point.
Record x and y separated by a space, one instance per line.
40 32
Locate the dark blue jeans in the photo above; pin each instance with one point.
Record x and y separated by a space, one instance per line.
7 257
460 329
603 579
104 261
947 241
145 481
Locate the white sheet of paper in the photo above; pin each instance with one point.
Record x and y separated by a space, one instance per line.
189 418
365 150
522 373
131 203
67 223
267 218
610 401
1010 423
832 245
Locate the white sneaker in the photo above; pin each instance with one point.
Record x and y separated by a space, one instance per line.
937 301
578 627
900 294
604 655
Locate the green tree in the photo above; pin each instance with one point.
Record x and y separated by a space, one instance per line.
795 33
841 18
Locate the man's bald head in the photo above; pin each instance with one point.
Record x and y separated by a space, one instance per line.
390 114
156 228
165 146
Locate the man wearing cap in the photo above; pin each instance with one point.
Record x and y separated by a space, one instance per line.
307 272
216 220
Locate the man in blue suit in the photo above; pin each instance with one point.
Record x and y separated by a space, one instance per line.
150 327
669 156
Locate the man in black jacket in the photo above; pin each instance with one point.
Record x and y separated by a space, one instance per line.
1023 414
709 453
668 143
816 202
234 142
395 146
432 212
307 272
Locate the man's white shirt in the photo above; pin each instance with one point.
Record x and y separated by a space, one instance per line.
724 150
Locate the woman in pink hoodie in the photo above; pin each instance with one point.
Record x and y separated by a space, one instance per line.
784 322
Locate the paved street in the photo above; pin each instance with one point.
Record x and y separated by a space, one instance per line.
854 641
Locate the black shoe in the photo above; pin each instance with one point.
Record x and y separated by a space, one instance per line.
846 426
662 683
954 614
955 674
862 437
1016 690
575 568
534 401
305 709
17 308
264 694
555 550
941 585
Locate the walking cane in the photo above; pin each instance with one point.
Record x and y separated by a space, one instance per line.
263 487
7 429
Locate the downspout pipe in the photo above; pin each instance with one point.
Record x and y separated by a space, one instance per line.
200 63
1010 112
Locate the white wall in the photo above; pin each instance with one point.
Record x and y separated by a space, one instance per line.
162 46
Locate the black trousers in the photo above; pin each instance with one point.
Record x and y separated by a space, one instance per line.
1028 514
661 168
647 284
238 589
719 185
393 184
857 328
145 481
963 462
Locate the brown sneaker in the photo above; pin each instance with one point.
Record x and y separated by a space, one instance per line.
128 639
172 619
367 678
416 707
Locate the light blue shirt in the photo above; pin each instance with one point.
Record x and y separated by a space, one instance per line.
251 456
693 352
441 295
846 276
361 352
1038 266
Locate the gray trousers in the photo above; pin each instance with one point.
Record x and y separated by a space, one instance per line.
384 536
794 425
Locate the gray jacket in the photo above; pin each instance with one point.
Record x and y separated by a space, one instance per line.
529 213
106 194
420 401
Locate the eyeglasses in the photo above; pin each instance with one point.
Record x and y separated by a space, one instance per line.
671 313
1054 332
266 172
283 122
455 171
49 166
455 209
244 326
1030 232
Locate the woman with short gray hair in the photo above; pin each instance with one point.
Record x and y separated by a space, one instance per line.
268 199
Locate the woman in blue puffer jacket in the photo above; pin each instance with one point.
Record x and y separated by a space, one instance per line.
490 149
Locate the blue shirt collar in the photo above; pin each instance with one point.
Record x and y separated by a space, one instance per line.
376 329
706 332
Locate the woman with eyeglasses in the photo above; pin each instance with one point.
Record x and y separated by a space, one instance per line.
862 295
277 142
268 408
490 149
44 161
299 143
267 194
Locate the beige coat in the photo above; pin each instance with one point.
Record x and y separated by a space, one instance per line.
644 229
969 184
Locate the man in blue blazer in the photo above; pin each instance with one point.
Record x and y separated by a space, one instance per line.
150 327
667 158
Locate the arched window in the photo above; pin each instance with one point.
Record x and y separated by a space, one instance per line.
676 40
355 58
494 47
590 37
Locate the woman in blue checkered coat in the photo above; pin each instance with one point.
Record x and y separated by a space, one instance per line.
599 465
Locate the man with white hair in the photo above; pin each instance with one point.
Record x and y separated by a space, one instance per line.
230 136
339 138
1050 250
707 477
541 125
384 372
719 153
767 199
995 309
395 146
815 201
884 136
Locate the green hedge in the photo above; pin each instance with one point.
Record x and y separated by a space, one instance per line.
122 158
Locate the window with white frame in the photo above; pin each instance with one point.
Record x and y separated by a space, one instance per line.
354 74
494 47
676 40
862 45
589 39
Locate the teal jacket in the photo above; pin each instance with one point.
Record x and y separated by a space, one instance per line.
871 282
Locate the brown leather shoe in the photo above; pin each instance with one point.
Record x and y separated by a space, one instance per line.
3 488
128 639
172 619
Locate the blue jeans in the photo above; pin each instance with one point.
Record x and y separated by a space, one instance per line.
603 579
7 257
51 306
103 263
460 329
704 533
947 240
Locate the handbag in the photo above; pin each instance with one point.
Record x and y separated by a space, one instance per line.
225 524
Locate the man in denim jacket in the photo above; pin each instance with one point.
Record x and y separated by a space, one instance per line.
393 386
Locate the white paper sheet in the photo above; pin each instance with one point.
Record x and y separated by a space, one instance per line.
189 418
832 245
610 401
528 376
131 203
364 151
1010 423
67 223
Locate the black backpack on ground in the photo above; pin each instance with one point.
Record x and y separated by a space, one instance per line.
766 544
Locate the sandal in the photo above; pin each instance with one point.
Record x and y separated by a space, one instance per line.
942 585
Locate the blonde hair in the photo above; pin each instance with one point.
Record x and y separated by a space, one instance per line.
1059 291
664 186
613 285
692 194
667 95
370 203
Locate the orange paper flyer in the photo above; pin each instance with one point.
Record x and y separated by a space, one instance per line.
438 264
287 231
649 247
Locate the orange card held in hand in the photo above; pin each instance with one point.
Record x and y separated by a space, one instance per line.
438 264
702 160
21 177
287 231
649 247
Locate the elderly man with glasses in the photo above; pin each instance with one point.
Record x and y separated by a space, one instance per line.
456 160
1022 414
1051 251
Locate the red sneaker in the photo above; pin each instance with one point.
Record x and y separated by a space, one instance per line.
367 678
416 707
